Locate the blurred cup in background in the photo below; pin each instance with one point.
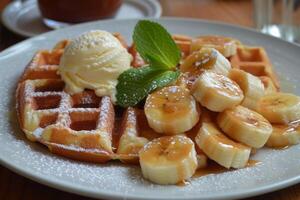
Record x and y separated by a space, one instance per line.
280 18
59 13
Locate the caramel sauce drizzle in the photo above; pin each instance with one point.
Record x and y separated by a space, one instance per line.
183 183
214 168
281 147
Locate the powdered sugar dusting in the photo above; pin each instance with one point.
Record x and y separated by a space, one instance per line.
92 39
80 149
38 132
105 108
44 94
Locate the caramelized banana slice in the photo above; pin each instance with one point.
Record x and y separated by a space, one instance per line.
171 110
280 107
169 159
216 92
245 126
220 148
206 59
251 85
284 135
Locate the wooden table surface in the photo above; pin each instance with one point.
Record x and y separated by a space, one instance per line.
16 187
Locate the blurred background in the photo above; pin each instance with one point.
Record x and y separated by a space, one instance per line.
22 18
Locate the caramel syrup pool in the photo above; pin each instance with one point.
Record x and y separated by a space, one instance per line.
214 168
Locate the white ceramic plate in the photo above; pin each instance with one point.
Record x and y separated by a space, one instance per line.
279 168
25 18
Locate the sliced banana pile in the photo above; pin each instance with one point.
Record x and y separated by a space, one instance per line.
232 111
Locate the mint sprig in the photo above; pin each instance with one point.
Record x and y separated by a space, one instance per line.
157 47
135 84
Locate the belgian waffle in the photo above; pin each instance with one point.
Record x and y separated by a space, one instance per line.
81 126
255 61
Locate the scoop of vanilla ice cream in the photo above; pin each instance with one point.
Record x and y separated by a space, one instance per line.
94 61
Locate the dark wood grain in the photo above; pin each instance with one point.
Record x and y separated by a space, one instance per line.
16 187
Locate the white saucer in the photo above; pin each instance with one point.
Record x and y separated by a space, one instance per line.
25 18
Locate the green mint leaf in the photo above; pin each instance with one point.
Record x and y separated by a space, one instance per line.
156 45
136 83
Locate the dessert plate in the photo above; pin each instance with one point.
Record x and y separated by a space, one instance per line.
278 168
24 18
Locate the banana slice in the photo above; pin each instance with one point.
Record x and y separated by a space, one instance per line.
252 87
216 92
284 135
245 126
268 84
227 46
202 160
171 110
205 59
279 107
169 159
220 148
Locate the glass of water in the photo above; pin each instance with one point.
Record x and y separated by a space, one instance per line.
280 18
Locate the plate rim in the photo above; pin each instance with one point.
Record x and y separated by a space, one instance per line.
69 187
116 195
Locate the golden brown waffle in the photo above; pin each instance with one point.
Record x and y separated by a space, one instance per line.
255 61
80 126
